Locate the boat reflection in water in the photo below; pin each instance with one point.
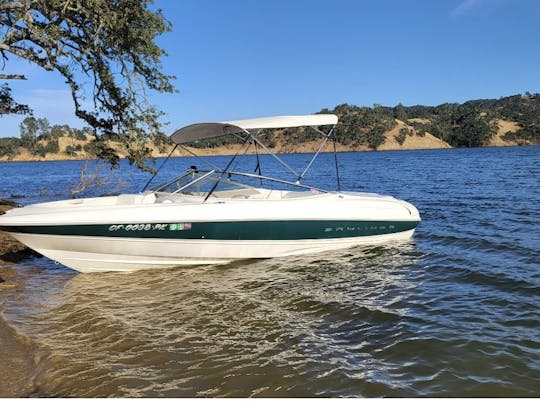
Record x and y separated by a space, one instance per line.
255 327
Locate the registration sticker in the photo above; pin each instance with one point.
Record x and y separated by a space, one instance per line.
179 226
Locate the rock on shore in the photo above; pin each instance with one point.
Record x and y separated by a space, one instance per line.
10 249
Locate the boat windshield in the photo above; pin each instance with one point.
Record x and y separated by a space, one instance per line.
218 184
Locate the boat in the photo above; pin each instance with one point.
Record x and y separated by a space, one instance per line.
213 215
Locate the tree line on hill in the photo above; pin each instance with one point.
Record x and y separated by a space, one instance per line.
473 123
470 124
38 137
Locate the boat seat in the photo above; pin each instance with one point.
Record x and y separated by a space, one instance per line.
295 194
132 199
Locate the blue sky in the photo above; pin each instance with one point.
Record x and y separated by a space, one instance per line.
238 59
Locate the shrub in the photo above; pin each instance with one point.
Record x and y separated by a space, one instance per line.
73 150
9 146
52 146
403 132
40 150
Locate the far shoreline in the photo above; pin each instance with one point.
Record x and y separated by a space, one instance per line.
231 151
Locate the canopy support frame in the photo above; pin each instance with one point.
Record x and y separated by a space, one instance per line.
204 131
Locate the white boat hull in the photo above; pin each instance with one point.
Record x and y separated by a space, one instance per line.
101 254
131 232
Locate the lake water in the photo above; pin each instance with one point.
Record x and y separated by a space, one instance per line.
453 312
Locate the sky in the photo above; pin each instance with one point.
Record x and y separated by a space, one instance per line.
238 59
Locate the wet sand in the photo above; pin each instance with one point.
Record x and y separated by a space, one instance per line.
16 359
17 364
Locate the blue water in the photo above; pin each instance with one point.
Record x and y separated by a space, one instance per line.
453 312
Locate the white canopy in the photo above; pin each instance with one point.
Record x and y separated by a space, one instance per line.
289 121
210 130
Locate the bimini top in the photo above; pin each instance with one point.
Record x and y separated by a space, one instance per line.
199 131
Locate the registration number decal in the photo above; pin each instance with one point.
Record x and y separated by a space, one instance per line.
150 227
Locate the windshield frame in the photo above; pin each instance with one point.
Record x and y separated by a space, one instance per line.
224 177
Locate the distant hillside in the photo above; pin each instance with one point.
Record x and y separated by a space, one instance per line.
513 120
506 121
489 122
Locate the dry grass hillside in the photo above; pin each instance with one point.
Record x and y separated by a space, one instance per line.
395 140
504 127
412 140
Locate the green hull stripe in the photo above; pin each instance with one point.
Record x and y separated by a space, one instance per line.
241 230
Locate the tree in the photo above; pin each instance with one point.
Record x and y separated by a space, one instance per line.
29 129
43 129
402 135
72 150
58 131
400 113
8 105
109 43
9 146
